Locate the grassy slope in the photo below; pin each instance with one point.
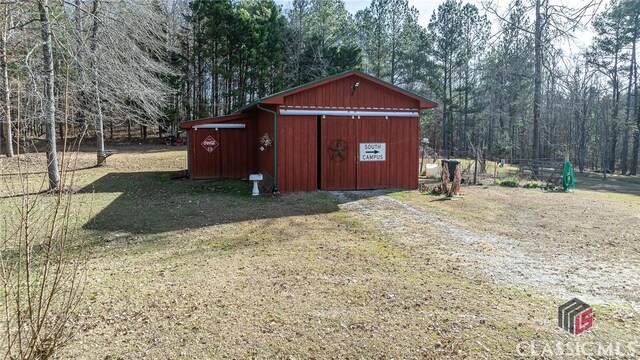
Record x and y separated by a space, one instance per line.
201 269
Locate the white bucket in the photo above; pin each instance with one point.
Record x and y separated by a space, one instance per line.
432 170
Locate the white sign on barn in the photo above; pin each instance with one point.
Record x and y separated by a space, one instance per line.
373 151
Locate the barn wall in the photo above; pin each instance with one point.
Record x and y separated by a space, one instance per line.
297 153
264 163
399 171
338 167
234 156
338 94
238 153
374 174
403 150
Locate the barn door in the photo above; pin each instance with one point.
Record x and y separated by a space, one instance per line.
372 169
338 153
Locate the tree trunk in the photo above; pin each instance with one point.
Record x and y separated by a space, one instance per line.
614 117
624 152
614 130
634 151
392 76
49 104
636 128
636 134
491 131
537 82
99 118
626 126
81 96
582 145
444 110
450 122
214 81
6 93
465 125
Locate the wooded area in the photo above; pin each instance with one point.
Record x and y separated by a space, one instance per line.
508 88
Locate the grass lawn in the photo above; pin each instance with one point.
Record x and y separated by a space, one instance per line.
201 269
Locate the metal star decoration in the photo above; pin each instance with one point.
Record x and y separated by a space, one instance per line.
339 150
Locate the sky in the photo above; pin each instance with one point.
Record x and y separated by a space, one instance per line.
427 7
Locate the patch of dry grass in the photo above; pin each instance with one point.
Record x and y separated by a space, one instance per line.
200 269
599 226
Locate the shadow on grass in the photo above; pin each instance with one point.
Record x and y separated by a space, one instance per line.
616 184
135 148
15 174
157 202
33 193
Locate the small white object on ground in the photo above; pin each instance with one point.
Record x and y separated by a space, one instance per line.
255 178
432 171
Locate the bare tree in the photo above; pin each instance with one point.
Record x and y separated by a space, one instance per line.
6 90
553 21
41 264
49 101
99 118
537 79
41 275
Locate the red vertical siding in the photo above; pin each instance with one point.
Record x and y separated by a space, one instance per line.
232 158
402 152
338 173
297 153
373 174
339 94
400 170
264 159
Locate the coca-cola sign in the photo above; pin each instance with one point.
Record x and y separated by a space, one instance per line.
210 144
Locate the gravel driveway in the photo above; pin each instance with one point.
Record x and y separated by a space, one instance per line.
498 258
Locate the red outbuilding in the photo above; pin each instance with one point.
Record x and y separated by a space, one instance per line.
346 132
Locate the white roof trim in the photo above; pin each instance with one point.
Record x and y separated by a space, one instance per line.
220 126
349 113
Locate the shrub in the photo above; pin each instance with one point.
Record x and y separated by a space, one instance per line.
42 265
534 185
510 181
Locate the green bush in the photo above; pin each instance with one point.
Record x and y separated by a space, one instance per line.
510 181
534 185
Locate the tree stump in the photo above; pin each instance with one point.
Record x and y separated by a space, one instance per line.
101 158
444 177
457 178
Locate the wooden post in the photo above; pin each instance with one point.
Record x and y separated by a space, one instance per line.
421 160
475 169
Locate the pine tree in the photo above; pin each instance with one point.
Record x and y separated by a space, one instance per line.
607 56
